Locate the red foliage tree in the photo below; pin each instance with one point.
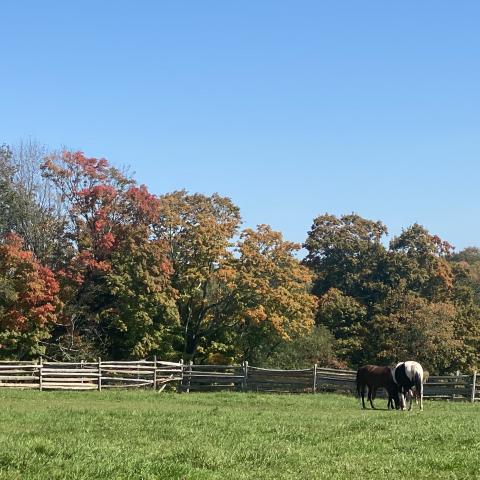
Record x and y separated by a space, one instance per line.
29 300
116 284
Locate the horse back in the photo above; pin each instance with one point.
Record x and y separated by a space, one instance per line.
408 374
374 376
414 370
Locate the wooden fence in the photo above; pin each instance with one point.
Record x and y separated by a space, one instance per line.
188 377
89 375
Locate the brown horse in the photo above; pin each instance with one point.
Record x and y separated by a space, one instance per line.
375 377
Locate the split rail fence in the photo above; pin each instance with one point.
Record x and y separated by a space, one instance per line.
189 377
89 375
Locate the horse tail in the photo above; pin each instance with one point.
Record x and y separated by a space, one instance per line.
418 381
359 393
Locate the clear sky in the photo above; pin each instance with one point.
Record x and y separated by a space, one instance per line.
291 108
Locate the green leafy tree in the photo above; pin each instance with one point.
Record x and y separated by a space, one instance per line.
346 253
466 270
315 347
366 290
421 261
467 332
140 315
346 318
414 328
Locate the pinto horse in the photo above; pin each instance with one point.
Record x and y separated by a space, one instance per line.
408 375
375 377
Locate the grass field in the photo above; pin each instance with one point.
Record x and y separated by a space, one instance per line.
143 435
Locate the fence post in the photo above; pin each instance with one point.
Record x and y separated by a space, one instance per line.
245 376
99 374
455 384
189 379
315 378
180 385
154 372
474 385
40 374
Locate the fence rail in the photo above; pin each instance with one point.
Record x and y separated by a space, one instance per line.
89 375
188 377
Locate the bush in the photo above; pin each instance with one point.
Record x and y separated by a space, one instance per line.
305 351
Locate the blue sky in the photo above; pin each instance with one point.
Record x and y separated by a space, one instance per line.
291 108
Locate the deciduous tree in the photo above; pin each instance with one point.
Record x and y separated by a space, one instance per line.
117 280
421 261
347 319
28 205
346 253
198 232
273 303
417 329
28 301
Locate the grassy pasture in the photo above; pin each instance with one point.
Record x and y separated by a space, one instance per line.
143 435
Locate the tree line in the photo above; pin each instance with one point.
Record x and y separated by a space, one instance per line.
93 264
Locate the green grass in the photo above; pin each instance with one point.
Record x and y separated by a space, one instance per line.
143 435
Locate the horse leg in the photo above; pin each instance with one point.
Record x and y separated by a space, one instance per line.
390 403
419 387
362 395
371 396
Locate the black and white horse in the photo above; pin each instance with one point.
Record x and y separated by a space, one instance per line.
408 375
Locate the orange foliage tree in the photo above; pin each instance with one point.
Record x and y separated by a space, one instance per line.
272 293
233 294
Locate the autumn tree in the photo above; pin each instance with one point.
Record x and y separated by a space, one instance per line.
465 294
116 281
140 315
273 303
366 290
28 301
417 329
466 270
198 232
234 296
